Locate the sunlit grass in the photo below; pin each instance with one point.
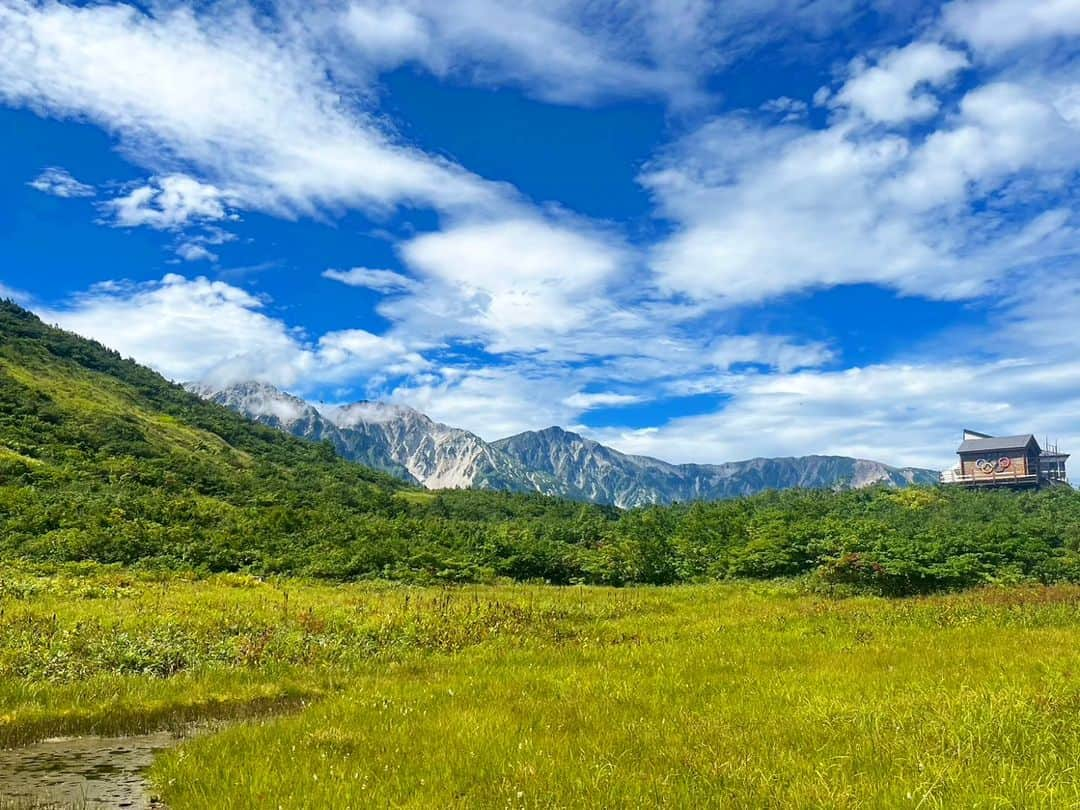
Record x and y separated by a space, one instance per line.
416 496
95 395
724 695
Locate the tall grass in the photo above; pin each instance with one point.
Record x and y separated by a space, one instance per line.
712 696
101 649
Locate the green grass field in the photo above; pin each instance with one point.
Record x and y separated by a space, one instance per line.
731 695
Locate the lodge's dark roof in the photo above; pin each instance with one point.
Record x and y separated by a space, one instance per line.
996 443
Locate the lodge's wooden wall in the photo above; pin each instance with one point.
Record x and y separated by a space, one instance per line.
1022 463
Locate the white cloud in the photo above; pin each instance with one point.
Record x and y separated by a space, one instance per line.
582 401
16 295
168 203
386 34
210 331
350 352
507 253
491 402
360 413
247 105
195 246
518 285
586 51
896 413
1002 129
59 182
786 109
549 48
768 350
193 252
767 211
1000 25
528 393
385 281
897 87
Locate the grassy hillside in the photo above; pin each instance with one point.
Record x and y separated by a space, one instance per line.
103 460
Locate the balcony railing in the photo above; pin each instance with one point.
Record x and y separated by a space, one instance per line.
999 478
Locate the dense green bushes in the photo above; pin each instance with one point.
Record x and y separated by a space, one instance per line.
873 539
103 460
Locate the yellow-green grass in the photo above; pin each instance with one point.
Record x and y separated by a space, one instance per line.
733 695
95 395
97 649
7 452
416 496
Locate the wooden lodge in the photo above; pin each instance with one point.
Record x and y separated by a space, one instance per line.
1006 461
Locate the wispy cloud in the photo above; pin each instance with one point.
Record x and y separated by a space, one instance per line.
247 105
900 86
997 26
194 245
58 182
385 281
764 211
515 284
584 52
16 295
194 252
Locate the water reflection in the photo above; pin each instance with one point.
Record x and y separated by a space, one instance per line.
84 772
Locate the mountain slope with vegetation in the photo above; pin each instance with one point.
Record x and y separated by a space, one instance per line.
103 460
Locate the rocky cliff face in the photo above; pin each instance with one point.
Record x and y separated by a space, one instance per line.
553 461
392 438
591 470
436 455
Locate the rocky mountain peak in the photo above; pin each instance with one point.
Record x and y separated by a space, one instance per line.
554 461
257 400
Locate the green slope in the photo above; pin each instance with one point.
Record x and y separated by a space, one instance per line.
101 458
104 460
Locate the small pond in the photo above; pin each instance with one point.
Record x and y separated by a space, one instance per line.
83 772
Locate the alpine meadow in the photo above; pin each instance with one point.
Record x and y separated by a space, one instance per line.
539 404
354 641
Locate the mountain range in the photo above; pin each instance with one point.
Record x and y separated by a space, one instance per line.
408 444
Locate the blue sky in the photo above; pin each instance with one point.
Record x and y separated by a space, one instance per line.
696 230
